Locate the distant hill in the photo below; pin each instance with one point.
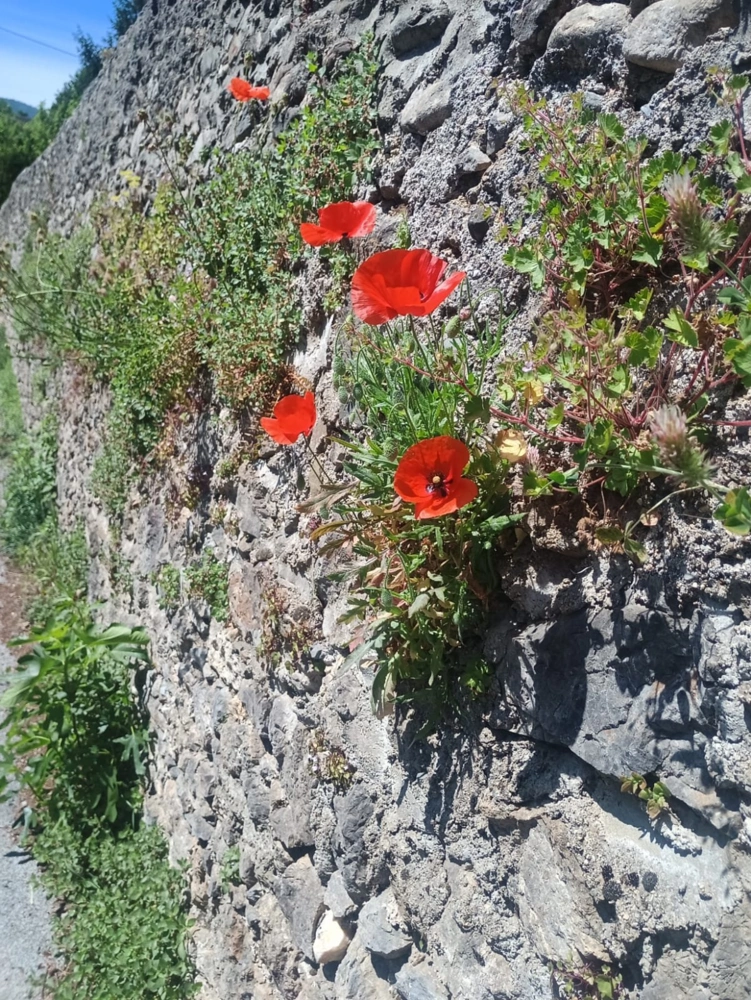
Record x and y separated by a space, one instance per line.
21 109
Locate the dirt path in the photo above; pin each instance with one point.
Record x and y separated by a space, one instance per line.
24 911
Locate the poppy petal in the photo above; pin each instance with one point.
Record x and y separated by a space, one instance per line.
316 236
400 283
293 416
442 292
349 218
463 492
241 90
275 430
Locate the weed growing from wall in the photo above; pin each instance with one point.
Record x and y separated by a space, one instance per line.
195 300
620 386
207 579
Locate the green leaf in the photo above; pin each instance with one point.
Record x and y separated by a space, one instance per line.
609 534
738 353
648 250
605 986
680 330
645 346
620 383
735 513
527 261
611 127
637 305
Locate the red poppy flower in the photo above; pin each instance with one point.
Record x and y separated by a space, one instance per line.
400 283
430 476
343 218
293 416
241 90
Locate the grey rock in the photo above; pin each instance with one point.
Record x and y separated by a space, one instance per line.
592 101
300 895
620 691
478 222
247 507
419 23
201 828
258 798
587 31
338 899
413 984
472 161
427 108
357 979
663 34
532 23
377 927
499 127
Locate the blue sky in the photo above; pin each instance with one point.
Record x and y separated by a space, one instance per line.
31 73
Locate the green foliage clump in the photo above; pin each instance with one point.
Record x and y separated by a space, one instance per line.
169 587
229 870
622 373
30 490
11 420
76 741
208 580
594 982
196 298
124 931
58 563
423 585
654 794
72 722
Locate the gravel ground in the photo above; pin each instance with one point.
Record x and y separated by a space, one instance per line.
24 911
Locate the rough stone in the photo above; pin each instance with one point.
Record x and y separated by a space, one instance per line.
472 161
414 984
532 24
300 895
662 35
420 23
337 898
587 31
427 108
499 127
478 222
377 927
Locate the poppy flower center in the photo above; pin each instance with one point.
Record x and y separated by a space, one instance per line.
438 485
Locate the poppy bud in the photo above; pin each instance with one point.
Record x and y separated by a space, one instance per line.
453 327
343 395
357 391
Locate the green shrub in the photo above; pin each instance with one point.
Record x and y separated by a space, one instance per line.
124 932
30 490
76 741
58 563
74 736
11 420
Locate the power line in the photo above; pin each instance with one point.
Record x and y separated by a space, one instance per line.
37 42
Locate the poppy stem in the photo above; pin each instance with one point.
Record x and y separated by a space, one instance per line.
325 480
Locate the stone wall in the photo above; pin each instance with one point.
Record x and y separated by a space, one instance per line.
459 868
